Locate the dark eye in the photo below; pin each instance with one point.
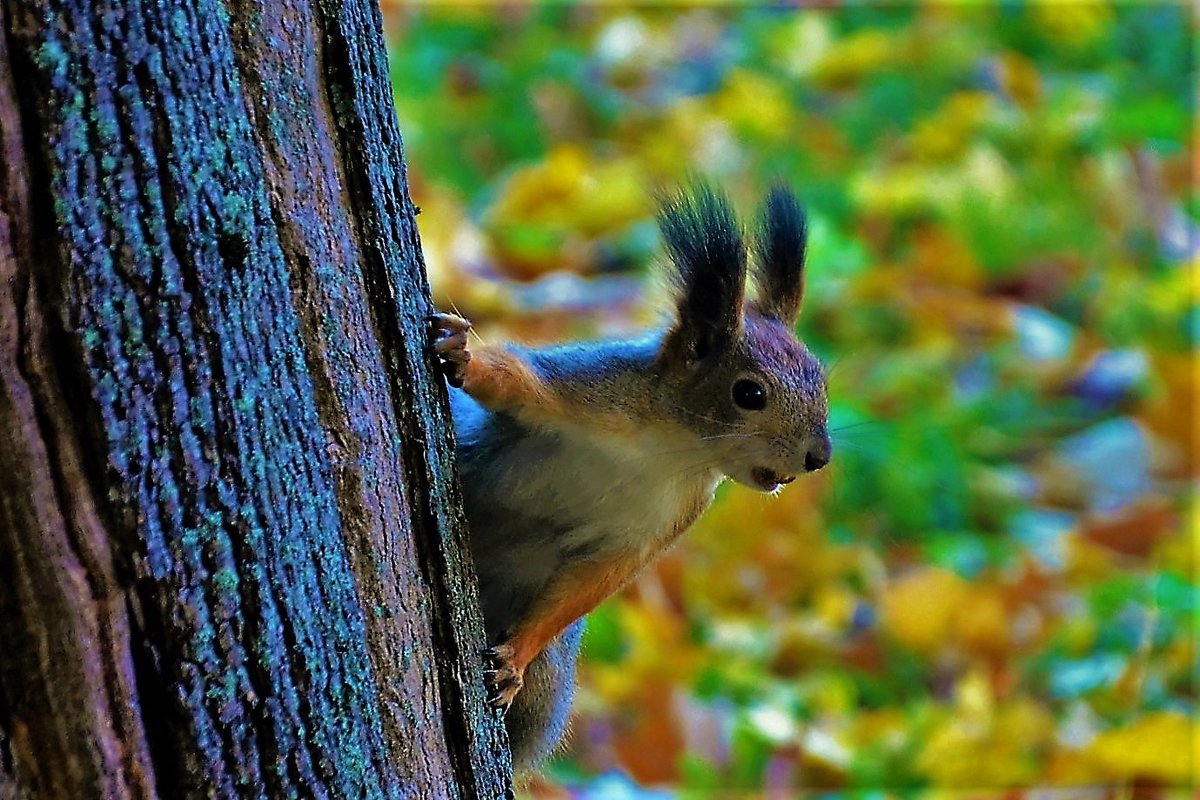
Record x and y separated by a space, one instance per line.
749 395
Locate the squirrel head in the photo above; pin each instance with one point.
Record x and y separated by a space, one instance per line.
739 378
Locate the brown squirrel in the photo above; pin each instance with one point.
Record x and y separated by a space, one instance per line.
581 464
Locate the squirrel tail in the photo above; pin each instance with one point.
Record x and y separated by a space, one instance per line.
537 719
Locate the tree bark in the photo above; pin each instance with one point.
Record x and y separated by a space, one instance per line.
232 553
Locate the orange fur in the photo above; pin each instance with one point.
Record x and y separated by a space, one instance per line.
575 592
584 585
499 379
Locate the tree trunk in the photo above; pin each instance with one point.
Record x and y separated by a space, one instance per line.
232 555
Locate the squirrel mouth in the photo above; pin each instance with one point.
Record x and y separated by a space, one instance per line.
769 480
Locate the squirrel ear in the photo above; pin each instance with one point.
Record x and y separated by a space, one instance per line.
779 249
708 253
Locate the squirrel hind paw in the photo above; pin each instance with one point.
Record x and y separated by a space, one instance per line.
503 679
448 333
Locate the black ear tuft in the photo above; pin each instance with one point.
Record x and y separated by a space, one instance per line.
708 252
779 247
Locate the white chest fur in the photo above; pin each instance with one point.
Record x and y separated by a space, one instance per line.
613 493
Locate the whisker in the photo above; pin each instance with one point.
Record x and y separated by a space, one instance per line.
838 363
832 368
841 428
707 419
470 331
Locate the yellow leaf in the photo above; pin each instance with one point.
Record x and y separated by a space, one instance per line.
856 56
945 260
904 189
919 609
834 605
946 133
835 695
1087 562
547 212
755 105
983 621
1066 767
613 196
1076 24
1020 79
1163 745
980 746
974 698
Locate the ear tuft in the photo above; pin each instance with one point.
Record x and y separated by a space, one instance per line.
779 247
708 253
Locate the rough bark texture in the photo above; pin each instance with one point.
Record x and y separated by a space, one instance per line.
232 559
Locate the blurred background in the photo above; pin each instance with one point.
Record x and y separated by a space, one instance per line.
994 584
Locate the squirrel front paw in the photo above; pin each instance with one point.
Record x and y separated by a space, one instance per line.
449 335
504 679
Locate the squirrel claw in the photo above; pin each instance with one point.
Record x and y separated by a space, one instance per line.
449 338
505 679
451 322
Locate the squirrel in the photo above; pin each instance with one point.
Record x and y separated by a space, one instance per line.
581 464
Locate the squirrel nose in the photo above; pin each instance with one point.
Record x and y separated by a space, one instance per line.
819 454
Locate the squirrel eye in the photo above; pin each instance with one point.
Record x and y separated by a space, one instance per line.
749 395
